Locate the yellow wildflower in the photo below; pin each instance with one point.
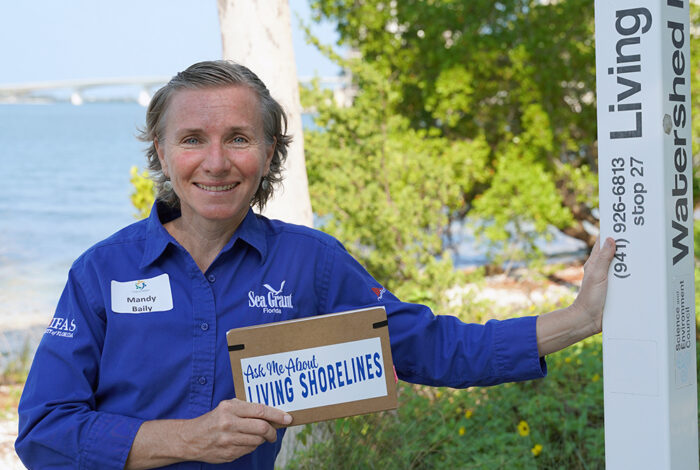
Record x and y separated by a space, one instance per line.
537 450
596 378
462 431
438 394
567 360
523 428
468 414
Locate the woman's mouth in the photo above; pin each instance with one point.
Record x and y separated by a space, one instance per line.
225 187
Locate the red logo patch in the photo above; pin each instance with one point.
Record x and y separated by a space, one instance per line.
379 292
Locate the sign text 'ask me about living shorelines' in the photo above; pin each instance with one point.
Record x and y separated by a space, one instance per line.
313 377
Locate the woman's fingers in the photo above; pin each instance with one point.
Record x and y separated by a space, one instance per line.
235 428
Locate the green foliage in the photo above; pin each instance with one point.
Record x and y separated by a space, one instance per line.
516 78
375 182
695 102
12 379
144 192
481 427
552 423
697 302
17 369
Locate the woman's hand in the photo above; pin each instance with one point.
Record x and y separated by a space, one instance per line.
591 297
561 328
233 429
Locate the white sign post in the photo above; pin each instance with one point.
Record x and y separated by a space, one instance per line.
646 204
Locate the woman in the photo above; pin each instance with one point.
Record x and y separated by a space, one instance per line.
134 371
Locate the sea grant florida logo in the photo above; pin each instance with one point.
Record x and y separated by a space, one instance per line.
140 285
272 301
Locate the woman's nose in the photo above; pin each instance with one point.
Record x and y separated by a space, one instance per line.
216 159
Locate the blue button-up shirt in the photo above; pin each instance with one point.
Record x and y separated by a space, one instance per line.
140 334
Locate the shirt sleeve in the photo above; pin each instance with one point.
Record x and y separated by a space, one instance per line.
438 350
59 425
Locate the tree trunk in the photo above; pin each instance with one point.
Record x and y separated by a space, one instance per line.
258 34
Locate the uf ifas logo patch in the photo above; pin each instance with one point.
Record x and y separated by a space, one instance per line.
271 300
61 326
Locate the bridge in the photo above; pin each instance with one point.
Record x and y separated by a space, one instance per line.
134 89
50 90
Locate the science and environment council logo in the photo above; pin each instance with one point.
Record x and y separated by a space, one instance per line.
272 301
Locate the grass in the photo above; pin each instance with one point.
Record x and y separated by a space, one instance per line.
12 382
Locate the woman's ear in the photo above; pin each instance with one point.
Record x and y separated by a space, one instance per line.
270 154
161 156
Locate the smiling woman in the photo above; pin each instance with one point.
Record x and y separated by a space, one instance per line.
215 154
148 381
270 119
218 142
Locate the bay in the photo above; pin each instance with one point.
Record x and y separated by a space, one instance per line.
65 186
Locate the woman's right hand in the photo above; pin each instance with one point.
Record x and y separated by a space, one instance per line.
233 429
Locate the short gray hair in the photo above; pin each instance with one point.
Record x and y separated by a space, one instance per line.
211 74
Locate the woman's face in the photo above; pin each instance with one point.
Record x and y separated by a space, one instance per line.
214 152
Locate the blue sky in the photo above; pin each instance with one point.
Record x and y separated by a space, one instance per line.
44 40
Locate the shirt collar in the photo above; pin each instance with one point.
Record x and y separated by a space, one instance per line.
157 238
250 231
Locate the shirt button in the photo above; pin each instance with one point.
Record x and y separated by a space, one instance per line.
211 278
204 326
202 380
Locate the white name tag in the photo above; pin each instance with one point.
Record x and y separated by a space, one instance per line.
142 295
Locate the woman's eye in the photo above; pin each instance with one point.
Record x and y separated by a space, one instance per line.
239 140
191 141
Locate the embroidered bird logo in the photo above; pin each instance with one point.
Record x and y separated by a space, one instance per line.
275 292
379 292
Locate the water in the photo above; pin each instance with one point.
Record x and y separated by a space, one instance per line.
65 186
